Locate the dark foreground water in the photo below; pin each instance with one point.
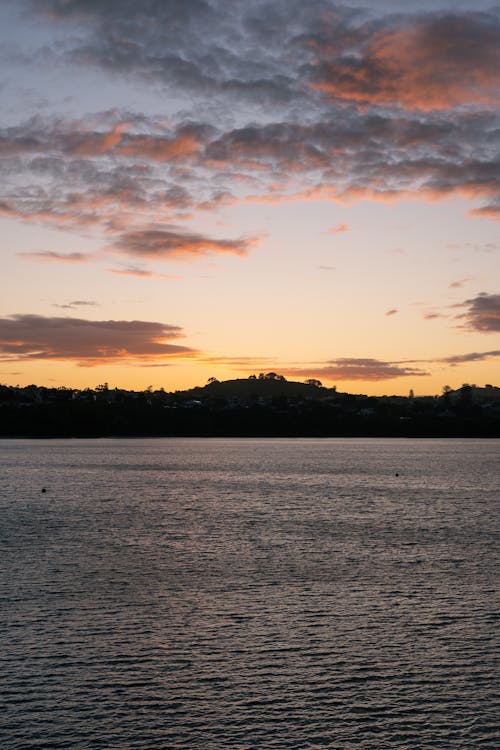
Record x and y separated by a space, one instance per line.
249 594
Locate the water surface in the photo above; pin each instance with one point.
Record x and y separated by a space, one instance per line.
249 594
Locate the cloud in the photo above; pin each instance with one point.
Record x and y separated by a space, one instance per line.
77 303
196 47
88 342
279 101
358 369
342 155
126 138
482 313
338 229
433 315
437 61
164 243
490 211
461 282
52 257
459 359
186 143
143 273
85 143
355 156
282 52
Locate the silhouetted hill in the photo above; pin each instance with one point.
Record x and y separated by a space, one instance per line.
265 406
263 387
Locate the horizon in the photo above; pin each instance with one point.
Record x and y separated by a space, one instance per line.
306 189
105 387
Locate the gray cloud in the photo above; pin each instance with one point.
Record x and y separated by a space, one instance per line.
52 257
459 359
76 303
128 166
433 315
197 47
172 242
88 342
482 313
359 369
271 52
355 106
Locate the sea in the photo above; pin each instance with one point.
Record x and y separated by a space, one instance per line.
249 594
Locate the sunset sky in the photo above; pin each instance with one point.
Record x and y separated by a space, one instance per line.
215 188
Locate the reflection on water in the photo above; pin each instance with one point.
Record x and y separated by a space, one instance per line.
249 594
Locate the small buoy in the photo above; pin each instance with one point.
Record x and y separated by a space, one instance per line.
397 475
43 489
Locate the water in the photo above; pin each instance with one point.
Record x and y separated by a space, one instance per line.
249 594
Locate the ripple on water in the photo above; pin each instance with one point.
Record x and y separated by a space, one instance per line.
249 594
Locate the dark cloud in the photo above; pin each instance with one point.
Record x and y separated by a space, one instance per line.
76 303
482 313
273 51
52 257
76 176
359 369
356 155
459 359
352 108
433 62
198 47
171 242
88 342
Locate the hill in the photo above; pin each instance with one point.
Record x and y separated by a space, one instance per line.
267 406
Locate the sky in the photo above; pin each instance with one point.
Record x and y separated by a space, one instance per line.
217 188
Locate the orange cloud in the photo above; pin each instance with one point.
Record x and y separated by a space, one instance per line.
171 243
338 229
436 63
88 342
92 143
161 149
490 211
